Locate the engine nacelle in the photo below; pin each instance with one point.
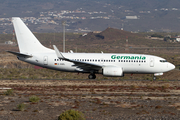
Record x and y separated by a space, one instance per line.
113 71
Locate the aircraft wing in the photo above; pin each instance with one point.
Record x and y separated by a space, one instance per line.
79 64
19 54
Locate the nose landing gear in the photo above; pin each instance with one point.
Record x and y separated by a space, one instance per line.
154 77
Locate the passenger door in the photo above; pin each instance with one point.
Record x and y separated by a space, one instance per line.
151 62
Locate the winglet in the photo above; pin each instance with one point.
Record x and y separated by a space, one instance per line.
59 54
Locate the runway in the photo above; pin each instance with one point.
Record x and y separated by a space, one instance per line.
90 80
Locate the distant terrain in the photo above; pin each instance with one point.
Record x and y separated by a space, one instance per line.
95 15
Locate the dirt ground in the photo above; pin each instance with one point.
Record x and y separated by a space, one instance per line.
97 99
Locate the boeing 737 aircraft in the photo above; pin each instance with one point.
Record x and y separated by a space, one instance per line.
107 64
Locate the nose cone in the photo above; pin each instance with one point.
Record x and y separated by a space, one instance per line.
171 66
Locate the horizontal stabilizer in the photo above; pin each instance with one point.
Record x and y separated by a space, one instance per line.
19 54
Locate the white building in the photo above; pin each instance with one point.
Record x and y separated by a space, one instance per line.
131 17
9 42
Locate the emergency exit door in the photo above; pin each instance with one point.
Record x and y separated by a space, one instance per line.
45 60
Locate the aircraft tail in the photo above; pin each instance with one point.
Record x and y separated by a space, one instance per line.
27 42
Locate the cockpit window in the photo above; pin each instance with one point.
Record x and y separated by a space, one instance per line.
163 61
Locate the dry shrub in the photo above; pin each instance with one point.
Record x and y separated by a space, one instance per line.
9 92
71 115
34 99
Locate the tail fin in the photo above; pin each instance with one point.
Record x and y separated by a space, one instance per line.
27 42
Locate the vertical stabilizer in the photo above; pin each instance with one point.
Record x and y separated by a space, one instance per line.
27 42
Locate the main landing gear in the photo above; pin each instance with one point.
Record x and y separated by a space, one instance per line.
92 76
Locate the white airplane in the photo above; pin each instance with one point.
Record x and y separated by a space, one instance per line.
107 64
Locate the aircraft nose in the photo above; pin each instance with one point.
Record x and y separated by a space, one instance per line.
171 66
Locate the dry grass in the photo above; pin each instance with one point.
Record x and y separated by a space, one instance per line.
94 98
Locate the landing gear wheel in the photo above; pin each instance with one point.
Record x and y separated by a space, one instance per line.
154 77
92 76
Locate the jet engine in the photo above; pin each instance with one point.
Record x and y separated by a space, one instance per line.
113 71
